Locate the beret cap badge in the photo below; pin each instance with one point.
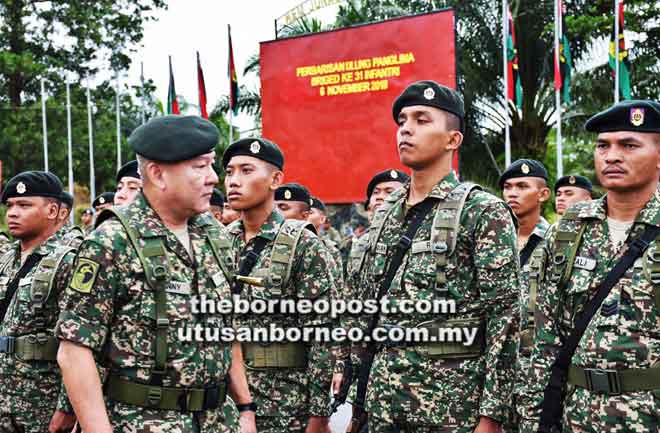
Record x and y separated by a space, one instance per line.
525 168
255 147
394 174
102 200
287 194
429 93
637 116
571 180
21 188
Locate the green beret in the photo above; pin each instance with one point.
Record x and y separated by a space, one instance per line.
634 115
67 199
430 94
523 168
217 199
390 175
293 192
33 184
259 148
88 211
318 204
130 169
105 198
174 138
574 180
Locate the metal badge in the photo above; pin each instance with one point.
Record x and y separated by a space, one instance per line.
255 147
637 116
21 188
429 93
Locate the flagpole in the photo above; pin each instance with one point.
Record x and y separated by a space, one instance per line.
507 135
69 142
90 133
558 31
616 51
118 109
143 112
43 122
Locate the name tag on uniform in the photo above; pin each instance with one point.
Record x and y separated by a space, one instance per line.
381 248
4 281
25 281
585 263
217 279
421 247
178 287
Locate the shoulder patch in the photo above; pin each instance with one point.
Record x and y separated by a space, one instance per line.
84 276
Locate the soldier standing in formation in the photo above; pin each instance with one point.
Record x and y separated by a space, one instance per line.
33 276
570 190
608 369
217 204
129 184
131 294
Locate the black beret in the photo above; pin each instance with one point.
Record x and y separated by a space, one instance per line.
390 175
255 147
33 184
523 168
634 115
130 169
89 211
105 198
576 181
174 138
430 94
67 199
318 204
217 199
293 192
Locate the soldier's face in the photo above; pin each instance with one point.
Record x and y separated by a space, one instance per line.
293 210
189 184
250 182
627 161
86 218
316 217
425 137
229 215
217 212
381 191
525 194
567 196
127 189
29 217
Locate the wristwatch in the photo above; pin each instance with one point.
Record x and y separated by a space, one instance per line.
252 406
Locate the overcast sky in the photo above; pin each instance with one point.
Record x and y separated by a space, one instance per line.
201 25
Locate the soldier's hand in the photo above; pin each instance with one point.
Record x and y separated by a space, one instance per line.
488 425
61 422
336 382
248 422
318 424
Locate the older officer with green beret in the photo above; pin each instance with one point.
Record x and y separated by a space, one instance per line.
570 190
608 371
290 381
33 277
130 298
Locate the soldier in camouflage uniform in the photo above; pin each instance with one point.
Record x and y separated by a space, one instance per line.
614 377
33 275
67 234
570 190
129 304
524 188
129 184
463 252
87 220
290 381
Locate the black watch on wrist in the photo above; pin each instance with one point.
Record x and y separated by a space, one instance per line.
252 406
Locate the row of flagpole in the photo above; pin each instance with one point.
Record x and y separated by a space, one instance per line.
562 70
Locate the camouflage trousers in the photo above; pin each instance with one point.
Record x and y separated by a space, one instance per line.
34 421
379 425
29 412
273 424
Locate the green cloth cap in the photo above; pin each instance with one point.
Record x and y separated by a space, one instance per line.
255 147
105 198
574 180
33 184
523 168
293 192
430 94
634 115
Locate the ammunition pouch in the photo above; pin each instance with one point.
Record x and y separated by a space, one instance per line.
275 355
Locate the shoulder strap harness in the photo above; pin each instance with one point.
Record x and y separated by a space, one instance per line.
283 253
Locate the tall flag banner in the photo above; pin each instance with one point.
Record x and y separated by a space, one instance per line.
172 103
624 59
563 59
233 81
514 85
201 89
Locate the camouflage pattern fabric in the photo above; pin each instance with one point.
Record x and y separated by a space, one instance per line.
30 388
339 352
287 397
623 334
111 310
5 242
406 386
71 236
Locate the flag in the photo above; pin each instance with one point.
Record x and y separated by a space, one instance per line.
563 61
172 103
201 89
233 81
514 86
624 60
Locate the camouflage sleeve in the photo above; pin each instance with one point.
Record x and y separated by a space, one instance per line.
90 293
498 280
314 280
60 284
546 343
340 351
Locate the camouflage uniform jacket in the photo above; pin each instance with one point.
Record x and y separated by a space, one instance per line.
623 334
35 380
289 392
5 243
482 277
111 310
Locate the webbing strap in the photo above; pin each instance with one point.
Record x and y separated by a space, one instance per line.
30 263
247 262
